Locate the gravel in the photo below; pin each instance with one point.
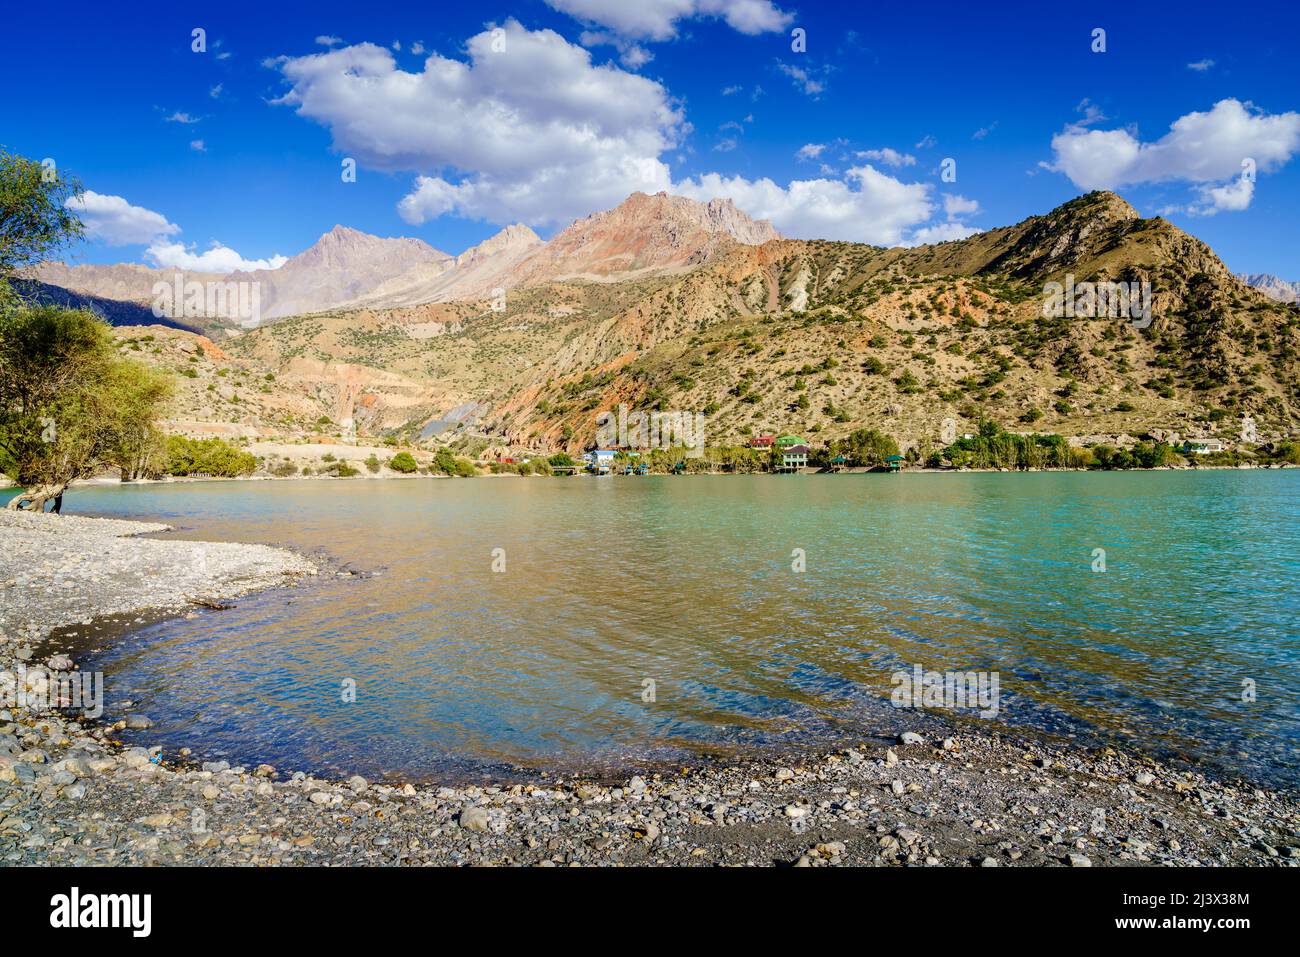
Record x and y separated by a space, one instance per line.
59 570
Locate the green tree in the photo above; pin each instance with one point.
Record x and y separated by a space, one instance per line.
867 447
1288 452
448 463
403 462
213 456
34 216
70 407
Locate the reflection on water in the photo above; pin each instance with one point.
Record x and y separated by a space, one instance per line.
688 582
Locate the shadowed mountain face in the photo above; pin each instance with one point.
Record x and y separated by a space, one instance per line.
118 312
659 303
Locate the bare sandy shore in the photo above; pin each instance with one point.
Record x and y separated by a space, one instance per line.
71 793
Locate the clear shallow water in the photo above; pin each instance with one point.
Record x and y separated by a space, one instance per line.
687 581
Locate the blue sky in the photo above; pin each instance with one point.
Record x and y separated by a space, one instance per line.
571 104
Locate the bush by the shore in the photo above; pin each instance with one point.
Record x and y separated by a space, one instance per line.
403 462
213 457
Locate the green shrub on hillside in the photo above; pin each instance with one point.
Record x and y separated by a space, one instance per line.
403 462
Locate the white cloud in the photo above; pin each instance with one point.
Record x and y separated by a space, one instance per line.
179 117
542 135
803 79
810 151
984 131
215 92
328 41
1200 148
1233 197
216 258
113 220
866 206
417 48
538 134
728 90
658 19
631 55
890 157
942 233
431 198
926 142
1201 66
726 145
634 57
956 206
1090 113
198 146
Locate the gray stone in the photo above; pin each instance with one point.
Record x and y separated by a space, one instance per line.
474 818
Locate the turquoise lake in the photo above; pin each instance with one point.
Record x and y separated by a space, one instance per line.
1186 645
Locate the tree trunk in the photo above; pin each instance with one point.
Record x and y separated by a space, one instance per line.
35 498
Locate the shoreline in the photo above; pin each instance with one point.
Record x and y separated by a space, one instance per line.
10 488
71 793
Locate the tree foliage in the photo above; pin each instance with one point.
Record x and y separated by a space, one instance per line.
448 463
34 216
867 447
996 448
214 457
403 462
70 406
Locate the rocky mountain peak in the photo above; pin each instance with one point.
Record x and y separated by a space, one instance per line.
511 239
719 215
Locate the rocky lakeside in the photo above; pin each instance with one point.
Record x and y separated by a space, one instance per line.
72 794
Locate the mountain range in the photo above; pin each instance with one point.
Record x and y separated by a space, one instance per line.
517 345
1277 289
346 268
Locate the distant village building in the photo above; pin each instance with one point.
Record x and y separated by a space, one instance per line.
1203 446
794 457
601 461
763 441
